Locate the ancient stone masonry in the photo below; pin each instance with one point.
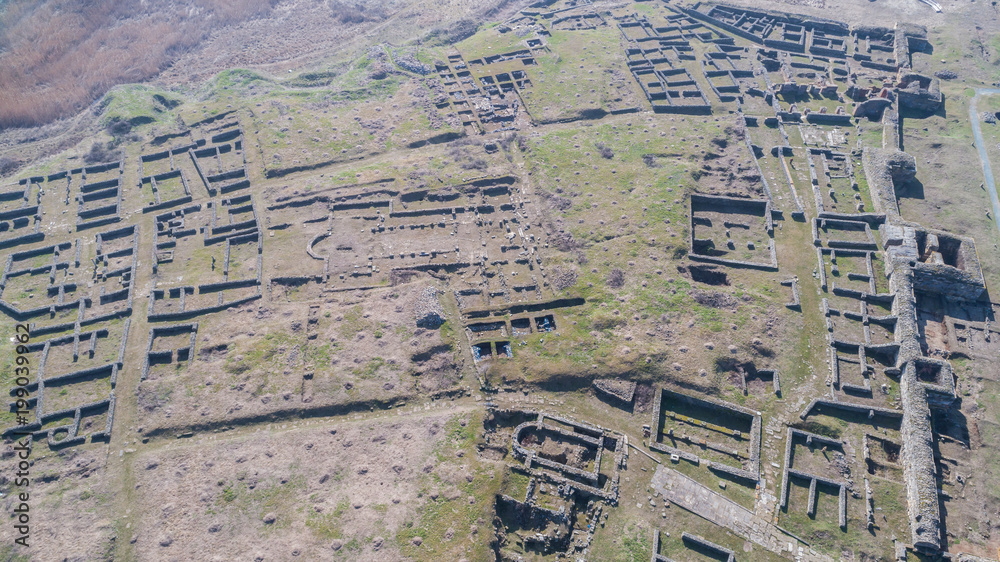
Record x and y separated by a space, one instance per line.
871 412
484 234
574 22
358 222
98 192
919 467
881 458
531 458
838 62
756 152
697 543
839 234
56 285
729 71
530 515
233 224
966 557
863 351
18 275
429 313
79 293
777 30
116 259
168 175
835 189
946 264
583 443
696 498
21 213
917 262
562 458
480 100
795 303
679 425
763 374
73 395
811 441
221 165
657 557
814 70
919 92
885 168
733 232
618 391
206 165
782 155
166 345
655 58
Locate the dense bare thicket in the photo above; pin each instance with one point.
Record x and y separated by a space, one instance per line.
355 12
58 56
455 32
8 165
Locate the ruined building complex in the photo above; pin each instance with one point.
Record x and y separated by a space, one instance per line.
647 258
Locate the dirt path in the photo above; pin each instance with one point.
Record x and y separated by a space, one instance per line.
981 147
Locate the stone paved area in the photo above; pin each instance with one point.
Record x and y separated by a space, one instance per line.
696 498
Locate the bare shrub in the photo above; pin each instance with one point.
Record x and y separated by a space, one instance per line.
118 127
558 202
509 139
347 13
475 164
605 151
563 278
616 278
8 165
99 153
456 32
354 12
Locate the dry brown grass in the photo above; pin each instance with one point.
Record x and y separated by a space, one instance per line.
59 56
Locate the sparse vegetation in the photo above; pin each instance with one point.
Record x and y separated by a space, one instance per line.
58 57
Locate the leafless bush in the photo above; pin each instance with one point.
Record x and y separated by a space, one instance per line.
605 151
455 32
616 278
475 164
650 161
354 12
563 278
99 152
8 165
118 127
